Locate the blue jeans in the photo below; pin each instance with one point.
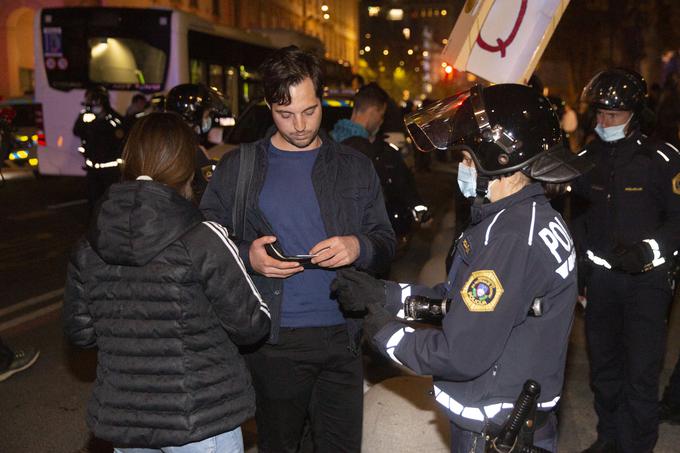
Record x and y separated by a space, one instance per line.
229 442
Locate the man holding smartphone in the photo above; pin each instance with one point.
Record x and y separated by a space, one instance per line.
310 196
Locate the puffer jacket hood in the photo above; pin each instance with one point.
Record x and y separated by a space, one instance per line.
136 220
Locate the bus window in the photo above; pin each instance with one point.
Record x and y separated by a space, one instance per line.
125 61
216 77
196 71
122 49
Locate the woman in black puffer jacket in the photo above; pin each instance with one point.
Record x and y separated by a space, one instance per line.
166 299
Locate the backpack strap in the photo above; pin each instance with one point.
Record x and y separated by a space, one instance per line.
243 182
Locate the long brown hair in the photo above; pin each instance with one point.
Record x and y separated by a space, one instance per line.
162 147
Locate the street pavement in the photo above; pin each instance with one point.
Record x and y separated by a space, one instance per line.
42 409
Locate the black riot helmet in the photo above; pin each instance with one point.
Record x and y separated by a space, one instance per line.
199 105
505 127
97 96
616 89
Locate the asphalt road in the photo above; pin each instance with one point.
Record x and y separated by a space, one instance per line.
42 409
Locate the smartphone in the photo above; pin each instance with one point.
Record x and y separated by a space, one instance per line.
274 250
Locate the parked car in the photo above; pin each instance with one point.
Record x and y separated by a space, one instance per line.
22 131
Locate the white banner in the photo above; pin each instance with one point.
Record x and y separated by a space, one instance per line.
502 40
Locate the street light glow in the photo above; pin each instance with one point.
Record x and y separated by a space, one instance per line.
410 51
367 48
395 14
326 16
386 52
324 8
373 11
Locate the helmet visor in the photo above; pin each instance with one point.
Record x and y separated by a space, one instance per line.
431 127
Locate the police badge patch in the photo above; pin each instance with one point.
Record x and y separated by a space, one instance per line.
482 291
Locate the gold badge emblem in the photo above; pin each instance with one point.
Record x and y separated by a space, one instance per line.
676 184
466 246
207 171
482 291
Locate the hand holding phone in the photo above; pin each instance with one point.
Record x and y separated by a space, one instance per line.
275 251
269 266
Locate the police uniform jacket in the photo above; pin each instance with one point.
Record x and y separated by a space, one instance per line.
632 194
515 250
350 200
399 187
166 299
101 138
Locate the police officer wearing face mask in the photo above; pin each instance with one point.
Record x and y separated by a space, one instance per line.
201 107
101 132
627 229
508 301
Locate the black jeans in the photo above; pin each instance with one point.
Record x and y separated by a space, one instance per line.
309 373
626 334
463 441
673 390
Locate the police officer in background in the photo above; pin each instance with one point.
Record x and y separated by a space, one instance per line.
201 107
402 200
101 132
627 228
510 294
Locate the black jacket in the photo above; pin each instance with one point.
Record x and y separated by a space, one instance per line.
102 138
399 186
350 200
165 298
632 194
515 250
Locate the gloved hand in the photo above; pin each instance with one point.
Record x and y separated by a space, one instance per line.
633 259
377 318
356 291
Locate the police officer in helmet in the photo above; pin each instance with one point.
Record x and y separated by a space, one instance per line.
508 300
201 107
101 131
627 229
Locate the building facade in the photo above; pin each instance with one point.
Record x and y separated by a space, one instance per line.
329 26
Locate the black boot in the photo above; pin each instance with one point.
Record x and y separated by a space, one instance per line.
669 412
601 446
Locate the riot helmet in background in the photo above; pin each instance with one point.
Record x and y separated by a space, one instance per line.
505 127
97 96
201 107
616 89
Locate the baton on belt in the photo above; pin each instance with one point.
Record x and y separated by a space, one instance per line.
522 415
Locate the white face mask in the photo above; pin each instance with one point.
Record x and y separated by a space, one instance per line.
467 180
612 133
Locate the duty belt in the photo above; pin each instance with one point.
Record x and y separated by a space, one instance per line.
99 165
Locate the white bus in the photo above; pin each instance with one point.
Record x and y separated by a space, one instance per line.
132 50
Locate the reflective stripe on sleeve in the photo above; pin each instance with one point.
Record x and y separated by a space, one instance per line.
597 260
658 260
394 341
475 413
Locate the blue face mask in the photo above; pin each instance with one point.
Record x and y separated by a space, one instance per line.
467 180
612 133
206 125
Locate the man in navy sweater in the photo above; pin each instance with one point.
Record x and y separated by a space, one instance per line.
312 196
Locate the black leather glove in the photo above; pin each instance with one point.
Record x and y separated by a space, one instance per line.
376 319
634 259
356 291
